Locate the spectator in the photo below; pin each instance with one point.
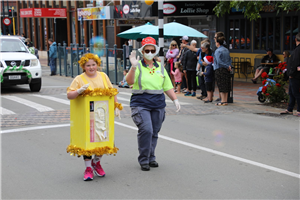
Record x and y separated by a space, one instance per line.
184 40
269 58
189 63
286 56
293 71
209 78
177 76
52 56
205 50
23 35
123 83
172 58
222 67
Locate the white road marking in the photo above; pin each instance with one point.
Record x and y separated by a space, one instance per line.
59 100
275 169
33 128
31 104
220 153
4 111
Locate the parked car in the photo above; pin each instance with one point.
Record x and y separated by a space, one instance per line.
14 55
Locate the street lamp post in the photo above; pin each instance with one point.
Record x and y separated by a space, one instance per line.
161 31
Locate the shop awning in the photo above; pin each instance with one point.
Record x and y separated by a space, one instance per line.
44 12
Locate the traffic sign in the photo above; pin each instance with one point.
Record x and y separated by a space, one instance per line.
6 21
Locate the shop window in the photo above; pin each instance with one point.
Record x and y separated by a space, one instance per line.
267 33
239 37
291 29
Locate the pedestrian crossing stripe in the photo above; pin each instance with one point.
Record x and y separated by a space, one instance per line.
4 111
59 100
39 107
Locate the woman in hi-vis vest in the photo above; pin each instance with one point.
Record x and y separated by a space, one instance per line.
150 81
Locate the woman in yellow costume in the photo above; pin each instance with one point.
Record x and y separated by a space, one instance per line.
93 80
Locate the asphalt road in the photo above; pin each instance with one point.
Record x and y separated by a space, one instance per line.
204 152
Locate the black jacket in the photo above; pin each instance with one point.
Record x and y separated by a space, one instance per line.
271 59
189 61
294 62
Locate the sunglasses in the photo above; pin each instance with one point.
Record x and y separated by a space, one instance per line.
152 51
174 45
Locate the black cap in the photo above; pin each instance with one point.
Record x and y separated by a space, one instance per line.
270 49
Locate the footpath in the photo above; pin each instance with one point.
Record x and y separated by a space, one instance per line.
244 97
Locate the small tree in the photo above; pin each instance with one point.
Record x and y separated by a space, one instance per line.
251 9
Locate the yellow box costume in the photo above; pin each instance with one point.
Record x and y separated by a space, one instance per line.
92 119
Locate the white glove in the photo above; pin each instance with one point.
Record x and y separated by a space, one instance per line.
176 102
133 60
83 88
118 113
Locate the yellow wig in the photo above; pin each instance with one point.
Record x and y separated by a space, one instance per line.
86 57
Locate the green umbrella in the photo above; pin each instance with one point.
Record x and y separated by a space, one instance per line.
134 33
173 29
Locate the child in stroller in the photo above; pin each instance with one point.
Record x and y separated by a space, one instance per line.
261 97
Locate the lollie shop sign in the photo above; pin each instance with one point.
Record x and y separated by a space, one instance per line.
169 8
186 8
44 12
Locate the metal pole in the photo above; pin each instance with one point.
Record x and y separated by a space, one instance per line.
161 31
3 13
65 59
55 29
9 27
12 14
116 64
107 64
124 56
59 57
72 57
81 24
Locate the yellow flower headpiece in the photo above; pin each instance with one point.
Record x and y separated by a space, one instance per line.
86 57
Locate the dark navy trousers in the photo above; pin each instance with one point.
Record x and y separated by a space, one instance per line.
294 93
149 122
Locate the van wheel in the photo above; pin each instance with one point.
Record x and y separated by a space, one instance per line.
35 86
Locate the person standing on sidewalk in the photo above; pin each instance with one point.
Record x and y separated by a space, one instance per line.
184 40
222 67
150 81
189 63
52 56
293 71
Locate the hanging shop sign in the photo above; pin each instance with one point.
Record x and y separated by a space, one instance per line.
94 13
132 9
44 12
181 8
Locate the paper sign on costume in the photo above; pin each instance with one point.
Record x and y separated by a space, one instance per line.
99 118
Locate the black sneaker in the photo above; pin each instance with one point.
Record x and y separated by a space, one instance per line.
145 167
153 164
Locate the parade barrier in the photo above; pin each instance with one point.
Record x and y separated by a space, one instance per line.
112 60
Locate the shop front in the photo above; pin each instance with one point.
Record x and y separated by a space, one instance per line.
250 39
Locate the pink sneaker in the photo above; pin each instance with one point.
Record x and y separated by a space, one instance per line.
98 168
88 174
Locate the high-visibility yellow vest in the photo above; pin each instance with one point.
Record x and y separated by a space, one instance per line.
151 81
